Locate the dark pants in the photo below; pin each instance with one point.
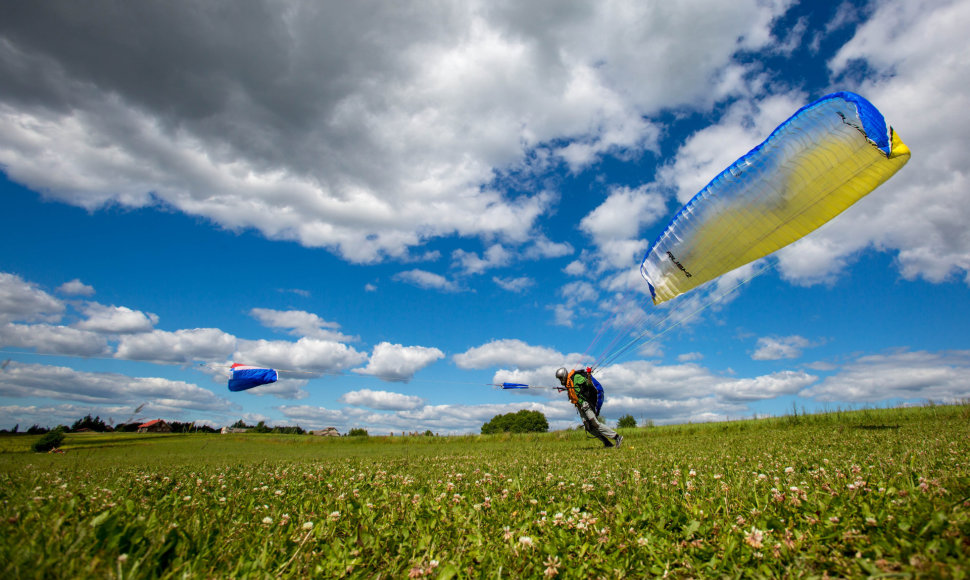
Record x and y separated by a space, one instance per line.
594 427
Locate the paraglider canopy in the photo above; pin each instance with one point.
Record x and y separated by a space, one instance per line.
823 159
242 377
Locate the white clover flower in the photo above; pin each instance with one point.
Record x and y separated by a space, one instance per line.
754 538
308 525
267 520
526 541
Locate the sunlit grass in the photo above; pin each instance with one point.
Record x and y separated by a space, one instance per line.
844 494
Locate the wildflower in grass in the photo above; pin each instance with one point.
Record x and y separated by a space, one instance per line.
506 533
526 541
187 498
267 520
604 535
307 526
552 566
754 538
122 558
642 542
334 516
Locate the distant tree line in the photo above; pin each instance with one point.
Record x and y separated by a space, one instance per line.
96 424
261 427
521 422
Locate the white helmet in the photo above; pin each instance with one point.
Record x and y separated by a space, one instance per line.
562 374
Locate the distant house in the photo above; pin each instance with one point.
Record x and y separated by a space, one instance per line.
156 426
328 432
228 430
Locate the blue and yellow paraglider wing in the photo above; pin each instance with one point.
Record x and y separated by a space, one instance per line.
823 159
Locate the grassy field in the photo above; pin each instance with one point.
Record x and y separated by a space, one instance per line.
852 494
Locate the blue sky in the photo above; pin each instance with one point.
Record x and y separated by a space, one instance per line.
401 206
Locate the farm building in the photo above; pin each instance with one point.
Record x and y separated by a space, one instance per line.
156 426
328 432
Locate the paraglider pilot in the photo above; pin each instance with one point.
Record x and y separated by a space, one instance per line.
587 395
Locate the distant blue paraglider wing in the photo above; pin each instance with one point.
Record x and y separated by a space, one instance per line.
514 386
244 377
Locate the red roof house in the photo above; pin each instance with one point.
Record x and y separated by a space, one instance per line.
156 426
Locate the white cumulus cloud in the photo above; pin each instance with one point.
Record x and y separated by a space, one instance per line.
507 353
76 288
25 302
54 339
766 386
382 400
395 362
429 280
781 347
116 319
62 383
180 346
307 355
300 323
916 376
260 118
